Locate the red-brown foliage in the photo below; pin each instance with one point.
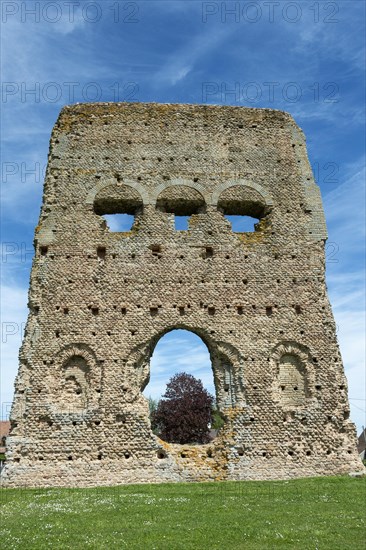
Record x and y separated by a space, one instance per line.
184 413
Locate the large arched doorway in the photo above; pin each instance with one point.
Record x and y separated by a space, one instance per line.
181 351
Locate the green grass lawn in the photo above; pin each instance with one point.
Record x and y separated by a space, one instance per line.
315 513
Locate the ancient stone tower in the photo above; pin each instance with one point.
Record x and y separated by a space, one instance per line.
99 300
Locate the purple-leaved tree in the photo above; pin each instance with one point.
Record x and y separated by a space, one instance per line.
184 413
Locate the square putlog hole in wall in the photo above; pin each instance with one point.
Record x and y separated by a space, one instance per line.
101 252
208 252
156 250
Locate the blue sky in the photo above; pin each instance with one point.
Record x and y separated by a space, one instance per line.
303 57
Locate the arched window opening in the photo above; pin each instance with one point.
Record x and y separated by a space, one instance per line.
181 223
242 224
243 207
118 223
183 202
118 205
74 384
182 352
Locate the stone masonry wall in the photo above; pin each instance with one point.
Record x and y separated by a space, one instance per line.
99 301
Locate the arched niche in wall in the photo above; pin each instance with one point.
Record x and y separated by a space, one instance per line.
75 383
293 375
292 380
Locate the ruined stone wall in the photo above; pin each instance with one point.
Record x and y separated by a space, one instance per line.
99 301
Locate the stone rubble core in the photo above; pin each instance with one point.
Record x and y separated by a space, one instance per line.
100 300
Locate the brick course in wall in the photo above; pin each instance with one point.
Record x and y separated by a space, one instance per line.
99 300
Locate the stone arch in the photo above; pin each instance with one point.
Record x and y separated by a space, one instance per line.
231 383
242 201
75 383
293 376
140 189
117 199
180 183
227 366
267 199
76 349
181 200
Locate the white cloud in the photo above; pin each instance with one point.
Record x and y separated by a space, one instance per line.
71 22
180 74
181 63
119 222
330 35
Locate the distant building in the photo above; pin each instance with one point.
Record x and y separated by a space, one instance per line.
4 432
361 444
